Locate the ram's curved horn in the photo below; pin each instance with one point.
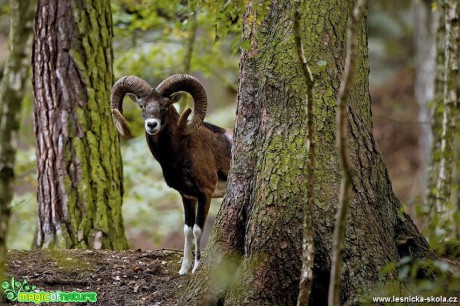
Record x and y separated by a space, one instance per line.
125 85
187 83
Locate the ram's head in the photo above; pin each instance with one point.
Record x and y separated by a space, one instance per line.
155 103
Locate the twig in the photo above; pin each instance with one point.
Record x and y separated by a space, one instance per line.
347 170
172 250
306 277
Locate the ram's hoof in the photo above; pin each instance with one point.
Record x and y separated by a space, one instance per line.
183 271
186 267
197 263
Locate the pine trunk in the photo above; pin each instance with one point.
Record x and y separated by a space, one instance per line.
12 91
253 257
78 155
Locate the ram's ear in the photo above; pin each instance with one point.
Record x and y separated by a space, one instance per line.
175 97
133 97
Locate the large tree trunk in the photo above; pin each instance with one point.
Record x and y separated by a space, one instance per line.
253 257
12 91
78 157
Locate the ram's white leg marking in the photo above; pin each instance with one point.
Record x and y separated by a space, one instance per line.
187 259
197 234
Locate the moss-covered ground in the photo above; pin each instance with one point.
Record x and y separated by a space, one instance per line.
131 277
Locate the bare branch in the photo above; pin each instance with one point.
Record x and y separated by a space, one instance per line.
306 276
347 169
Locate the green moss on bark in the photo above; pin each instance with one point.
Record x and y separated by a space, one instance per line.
262 214
88 172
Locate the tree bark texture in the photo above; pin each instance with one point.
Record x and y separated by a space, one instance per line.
451 95
12 92
78 156
442 191
253 257
436 123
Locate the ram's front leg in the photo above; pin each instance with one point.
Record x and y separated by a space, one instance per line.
204 201
189 213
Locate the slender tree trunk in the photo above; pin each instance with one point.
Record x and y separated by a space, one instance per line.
451 95
425 20
442 191
12 91
436 122
253 257
78 156
190 43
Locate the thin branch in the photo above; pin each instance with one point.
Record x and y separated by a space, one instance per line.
347 170
306 277
189 44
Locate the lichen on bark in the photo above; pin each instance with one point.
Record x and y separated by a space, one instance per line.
258 231
80 172
442 200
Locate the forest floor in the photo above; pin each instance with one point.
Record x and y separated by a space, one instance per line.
130 277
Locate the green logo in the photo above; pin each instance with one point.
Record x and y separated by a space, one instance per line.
23 292
13 288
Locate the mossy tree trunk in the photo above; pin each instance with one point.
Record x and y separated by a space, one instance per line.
451 93
253 257
78 157
12 92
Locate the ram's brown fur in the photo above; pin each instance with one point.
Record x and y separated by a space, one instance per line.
194 156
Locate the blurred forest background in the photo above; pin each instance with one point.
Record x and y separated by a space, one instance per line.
155 41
